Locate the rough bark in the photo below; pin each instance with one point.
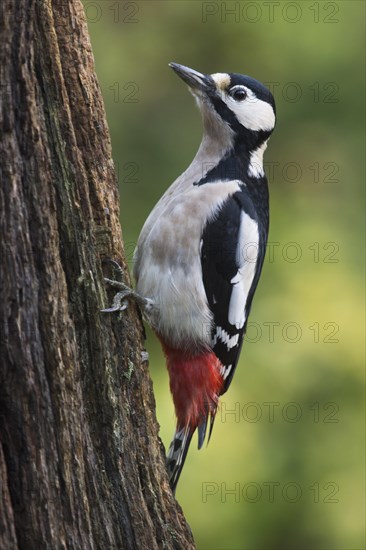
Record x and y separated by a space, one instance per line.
81 463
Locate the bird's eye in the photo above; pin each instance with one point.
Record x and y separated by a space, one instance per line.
238 93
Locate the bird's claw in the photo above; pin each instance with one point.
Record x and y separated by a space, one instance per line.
114 308
119 300
118 284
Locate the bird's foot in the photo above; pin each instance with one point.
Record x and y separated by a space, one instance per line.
119 300
125 292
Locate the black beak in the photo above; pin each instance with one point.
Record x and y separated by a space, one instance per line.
195 80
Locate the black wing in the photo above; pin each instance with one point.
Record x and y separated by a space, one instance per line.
223 263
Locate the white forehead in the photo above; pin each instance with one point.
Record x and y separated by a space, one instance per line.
222 80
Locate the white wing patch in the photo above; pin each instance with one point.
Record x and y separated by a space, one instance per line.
246 257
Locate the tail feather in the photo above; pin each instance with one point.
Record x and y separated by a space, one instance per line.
213 416
202 427
180 444
177 454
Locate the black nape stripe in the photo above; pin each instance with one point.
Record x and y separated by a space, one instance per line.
235 164
224 112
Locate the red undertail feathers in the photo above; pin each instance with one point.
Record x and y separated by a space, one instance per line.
196 383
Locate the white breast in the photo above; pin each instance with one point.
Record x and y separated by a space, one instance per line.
168 264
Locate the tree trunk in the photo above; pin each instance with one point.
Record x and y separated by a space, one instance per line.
81 463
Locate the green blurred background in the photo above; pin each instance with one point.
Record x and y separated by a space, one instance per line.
285 466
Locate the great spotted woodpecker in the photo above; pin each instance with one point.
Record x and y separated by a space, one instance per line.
201 250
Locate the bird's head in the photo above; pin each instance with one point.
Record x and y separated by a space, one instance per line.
232 103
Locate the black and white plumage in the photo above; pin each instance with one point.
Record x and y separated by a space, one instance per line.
232 254
201 250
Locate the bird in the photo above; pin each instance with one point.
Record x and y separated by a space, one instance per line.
200 252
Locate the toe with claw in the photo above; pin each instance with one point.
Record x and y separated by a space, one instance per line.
125 292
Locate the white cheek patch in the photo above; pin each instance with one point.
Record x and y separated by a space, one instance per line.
252 113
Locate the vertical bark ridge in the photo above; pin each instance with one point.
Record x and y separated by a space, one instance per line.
81 463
